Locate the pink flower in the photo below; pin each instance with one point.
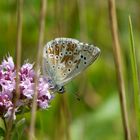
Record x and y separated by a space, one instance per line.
43 93
8 64
5 104
27 86
27 71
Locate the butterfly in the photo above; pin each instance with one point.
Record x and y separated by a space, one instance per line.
65 58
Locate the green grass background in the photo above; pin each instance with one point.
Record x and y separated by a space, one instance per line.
97 115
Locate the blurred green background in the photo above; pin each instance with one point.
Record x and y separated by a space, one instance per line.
97 115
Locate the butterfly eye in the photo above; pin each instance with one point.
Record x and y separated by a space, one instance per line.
82 56
61 90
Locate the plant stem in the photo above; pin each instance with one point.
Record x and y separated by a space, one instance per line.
40 44
5 124
18 62
135 78
119 69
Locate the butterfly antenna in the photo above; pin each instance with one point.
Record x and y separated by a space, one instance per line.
77 97
75 92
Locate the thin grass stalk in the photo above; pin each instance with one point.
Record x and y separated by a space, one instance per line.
82 19
62 123
39 55
119 68
83 36
59 18
65 114
135 78
62 131
18 63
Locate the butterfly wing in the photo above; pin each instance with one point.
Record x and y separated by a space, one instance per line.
64 58
57 59
87 55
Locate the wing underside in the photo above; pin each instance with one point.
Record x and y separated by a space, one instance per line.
65 58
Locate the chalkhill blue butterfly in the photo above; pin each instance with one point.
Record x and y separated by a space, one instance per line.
65 58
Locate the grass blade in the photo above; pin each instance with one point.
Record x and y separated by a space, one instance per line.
135 77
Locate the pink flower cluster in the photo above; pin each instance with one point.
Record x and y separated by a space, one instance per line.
26 85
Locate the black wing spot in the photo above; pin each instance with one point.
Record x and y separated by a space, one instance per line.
69 62
90 49
56 57
70 53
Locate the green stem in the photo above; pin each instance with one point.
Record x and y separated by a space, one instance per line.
135 77
5 124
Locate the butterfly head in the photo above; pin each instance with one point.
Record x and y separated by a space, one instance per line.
60 89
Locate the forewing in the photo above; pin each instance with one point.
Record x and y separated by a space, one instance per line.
59 60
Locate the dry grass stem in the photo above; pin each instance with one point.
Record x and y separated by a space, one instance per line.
82 19
18 63
40 44
119 69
